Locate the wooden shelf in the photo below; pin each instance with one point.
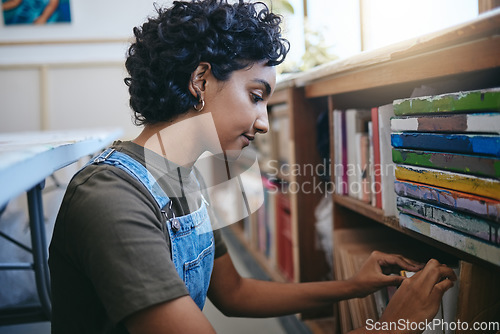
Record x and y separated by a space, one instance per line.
377 215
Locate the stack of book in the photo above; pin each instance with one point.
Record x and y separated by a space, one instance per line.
447 150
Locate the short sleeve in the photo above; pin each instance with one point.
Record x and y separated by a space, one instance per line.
114 233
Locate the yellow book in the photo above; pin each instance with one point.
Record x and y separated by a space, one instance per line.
461 182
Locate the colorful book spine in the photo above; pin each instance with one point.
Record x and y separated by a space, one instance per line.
486 208
456 181
456 123
458 143
487 99
462 163
471 245
474 226
377 180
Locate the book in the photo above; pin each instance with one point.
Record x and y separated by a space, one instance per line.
471 225
376 168
345 186
339 169
362 161
447 310
284 236
356 124
280 130
471 245
371 176
271 220
486 208
456 123
462 163
456 181
387 176
486 99
488 145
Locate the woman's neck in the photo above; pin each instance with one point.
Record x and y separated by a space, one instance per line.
181 141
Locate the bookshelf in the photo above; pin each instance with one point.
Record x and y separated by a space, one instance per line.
461 58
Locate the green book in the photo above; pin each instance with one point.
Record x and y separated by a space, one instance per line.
469 101
455 162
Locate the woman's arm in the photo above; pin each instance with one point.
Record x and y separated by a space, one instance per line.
180 315
237 296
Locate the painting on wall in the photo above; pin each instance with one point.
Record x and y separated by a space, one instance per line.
36 12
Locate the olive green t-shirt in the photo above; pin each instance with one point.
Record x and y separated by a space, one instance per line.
110 251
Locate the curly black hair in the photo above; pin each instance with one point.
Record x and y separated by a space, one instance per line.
169 47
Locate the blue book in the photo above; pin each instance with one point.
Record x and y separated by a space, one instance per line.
459 143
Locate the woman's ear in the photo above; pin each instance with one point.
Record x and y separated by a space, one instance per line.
199 79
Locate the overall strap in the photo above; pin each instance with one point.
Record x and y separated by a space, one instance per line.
135 169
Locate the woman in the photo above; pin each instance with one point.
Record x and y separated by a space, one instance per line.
133 249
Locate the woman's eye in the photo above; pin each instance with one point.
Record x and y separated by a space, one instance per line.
256 98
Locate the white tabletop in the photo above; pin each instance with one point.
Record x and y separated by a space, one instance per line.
27 158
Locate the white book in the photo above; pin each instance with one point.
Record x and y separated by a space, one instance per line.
356 123
386 165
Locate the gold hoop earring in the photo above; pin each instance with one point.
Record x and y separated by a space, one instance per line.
202 106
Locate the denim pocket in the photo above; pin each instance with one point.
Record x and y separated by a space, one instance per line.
197 274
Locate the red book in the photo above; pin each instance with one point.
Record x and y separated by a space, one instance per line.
285 239
377 187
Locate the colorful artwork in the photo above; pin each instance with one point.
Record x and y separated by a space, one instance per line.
35 11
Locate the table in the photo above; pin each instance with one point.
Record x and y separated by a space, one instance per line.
26 160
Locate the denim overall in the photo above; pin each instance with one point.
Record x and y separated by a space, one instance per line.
191 236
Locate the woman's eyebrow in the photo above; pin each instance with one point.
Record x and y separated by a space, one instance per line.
267 86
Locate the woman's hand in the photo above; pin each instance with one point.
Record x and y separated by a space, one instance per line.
374 274
418 298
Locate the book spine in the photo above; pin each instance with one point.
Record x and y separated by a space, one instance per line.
462 163
377 186
338 167
480 228
488 99
480 206
387 166
477 123
455 239
285 239
459 143
461 182
345 189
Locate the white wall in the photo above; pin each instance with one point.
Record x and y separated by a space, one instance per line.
67 76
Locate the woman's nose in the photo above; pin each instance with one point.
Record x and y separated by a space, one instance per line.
261 124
